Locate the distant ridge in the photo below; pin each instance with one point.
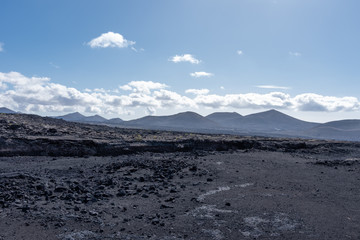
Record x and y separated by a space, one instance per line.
270 121
72 117
78 117
6 110
115 121
95 118
273 120
223 115
348 124
340 130
267 123
184 120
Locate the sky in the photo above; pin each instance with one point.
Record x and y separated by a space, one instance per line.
133 58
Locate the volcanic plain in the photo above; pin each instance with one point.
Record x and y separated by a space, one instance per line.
70 181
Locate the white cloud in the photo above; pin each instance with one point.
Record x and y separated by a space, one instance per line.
198 91
248 100
1 46
222 87
110 39
295 54
184 58
201 74
173 99
239 52
143 86
125 87
40 95
315 102
272 87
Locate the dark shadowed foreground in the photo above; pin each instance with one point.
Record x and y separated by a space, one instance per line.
70 181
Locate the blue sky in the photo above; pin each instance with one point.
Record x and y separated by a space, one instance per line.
131 58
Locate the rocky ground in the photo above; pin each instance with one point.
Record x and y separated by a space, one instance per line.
70 181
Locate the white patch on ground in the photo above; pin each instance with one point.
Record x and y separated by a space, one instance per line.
219 163
244 185
86 235
207 211
268 225
214 233
212 192
220 189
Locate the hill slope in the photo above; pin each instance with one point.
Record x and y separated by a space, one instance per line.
273 121
6 110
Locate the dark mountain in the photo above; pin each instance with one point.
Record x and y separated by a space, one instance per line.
115 121
72 117
95 118
225 119
340 130
185 120
218 116
6 110
348 124
272 121
269 121
78 117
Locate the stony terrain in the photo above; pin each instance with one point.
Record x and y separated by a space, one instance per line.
71 181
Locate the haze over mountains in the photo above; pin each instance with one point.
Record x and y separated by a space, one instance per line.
268 123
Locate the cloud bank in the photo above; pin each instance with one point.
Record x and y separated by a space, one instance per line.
110 39
184 58
40 95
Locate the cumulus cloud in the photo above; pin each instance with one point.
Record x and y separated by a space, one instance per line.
248 100
40 95
239 52
173 99
184 58
295 54
198 91
110 39
1 46
143 86
272 87
315 102
201 74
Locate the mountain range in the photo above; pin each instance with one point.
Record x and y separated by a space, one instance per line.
268 123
